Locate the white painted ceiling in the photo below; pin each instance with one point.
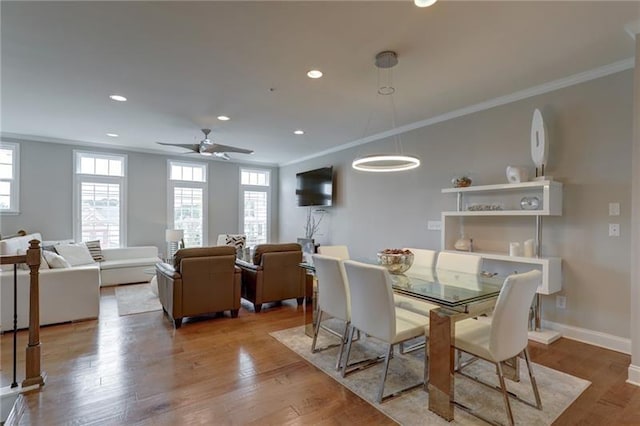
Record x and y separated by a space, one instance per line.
181 64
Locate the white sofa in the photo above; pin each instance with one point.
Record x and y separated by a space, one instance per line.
127 265
69 294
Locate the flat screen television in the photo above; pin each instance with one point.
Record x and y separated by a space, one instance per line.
315 187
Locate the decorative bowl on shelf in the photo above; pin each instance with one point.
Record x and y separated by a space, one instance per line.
397 261
461 182
530 203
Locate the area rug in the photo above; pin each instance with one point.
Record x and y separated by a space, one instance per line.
136 299
557 390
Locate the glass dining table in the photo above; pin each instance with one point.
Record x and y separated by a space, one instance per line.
459 296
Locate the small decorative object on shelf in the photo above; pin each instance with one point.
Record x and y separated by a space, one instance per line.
529 203
517 174
539 145
464 244
461 182
529 248
397 261
484 207
514 249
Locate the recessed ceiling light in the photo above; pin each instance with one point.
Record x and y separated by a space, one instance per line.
424 3
113 135
223 118
314 74
118 98
299 132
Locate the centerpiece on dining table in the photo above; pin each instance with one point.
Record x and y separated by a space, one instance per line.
397 261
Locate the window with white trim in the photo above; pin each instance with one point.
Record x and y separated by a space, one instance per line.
9 177
255 209
99 198
188 201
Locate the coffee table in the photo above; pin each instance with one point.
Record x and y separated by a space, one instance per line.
154 280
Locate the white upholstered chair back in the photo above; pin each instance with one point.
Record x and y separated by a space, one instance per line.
372 306
461 262
509 326
423 258
341 252
424 261
333 287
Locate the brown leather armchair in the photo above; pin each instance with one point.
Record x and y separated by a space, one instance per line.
274 275
201 280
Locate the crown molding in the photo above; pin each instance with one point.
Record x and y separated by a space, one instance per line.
633 29
551 86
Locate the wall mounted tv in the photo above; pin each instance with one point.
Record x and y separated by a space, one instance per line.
315 187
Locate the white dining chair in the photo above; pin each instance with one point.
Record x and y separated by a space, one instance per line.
373 312
507 334
460 262
422 267
341 252
333 299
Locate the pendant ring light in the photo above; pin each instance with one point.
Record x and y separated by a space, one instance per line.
385 163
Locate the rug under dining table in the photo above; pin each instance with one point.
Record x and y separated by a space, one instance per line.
557 390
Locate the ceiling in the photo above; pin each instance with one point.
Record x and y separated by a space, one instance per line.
181 64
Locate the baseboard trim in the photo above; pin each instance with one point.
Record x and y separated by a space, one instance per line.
634 375
595 338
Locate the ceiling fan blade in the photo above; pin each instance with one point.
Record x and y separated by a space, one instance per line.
226 148
190 146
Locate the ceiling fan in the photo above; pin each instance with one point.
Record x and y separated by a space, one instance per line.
208 148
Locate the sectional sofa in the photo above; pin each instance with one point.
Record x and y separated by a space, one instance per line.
69 294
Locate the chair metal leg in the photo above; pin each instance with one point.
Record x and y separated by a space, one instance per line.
503 386
316 330
384 374
534 385
344 337
346 359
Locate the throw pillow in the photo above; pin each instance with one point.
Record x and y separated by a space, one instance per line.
75 254
55 261
95 250
43 261
238 241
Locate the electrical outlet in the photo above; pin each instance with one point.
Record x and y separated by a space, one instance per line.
434 225
614 229
561 302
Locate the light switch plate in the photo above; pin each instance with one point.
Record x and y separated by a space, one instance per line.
434 225
614 209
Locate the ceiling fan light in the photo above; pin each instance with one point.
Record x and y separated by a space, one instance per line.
223 118
383 163
424 3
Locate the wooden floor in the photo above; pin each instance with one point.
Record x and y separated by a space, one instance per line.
137 370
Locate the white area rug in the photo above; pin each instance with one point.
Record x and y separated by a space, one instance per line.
557 390
136 299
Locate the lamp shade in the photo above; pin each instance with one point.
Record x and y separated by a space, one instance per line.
172 235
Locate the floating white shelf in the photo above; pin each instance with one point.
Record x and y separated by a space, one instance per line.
505 187
497 213
551 268
508 197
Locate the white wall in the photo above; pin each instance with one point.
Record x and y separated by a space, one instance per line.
590 138
46 194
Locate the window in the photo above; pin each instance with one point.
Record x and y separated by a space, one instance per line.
188 201
9 177
254 205
99 198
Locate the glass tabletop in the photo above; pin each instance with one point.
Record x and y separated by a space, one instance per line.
445 288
